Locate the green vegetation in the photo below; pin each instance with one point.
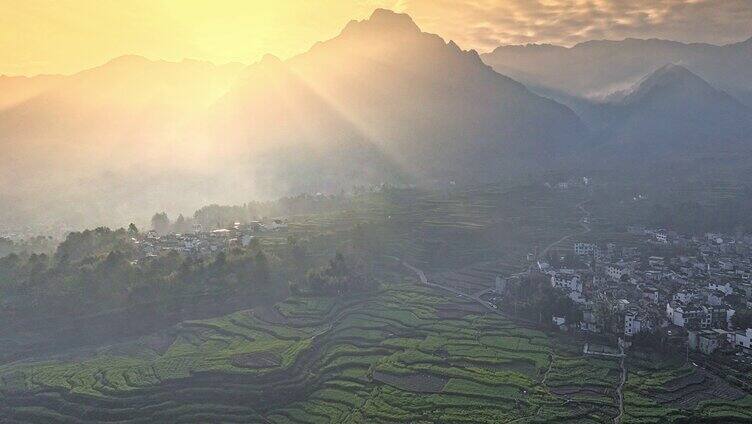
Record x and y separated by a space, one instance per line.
356 341
383 356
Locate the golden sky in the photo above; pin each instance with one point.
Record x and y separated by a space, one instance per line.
65 36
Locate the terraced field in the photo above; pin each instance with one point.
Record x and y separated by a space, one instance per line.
656 395
445 231
404 354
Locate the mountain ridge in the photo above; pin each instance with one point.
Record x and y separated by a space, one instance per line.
673 111
597 68
381 102
406 70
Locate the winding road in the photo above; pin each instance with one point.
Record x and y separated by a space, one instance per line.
620 387
584 222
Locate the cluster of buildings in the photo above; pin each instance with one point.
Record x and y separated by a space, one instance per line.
200 243
572 183
659 281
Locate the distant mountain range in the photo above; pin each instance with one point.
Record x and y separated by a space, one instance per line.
380 102
95 145
651 99
673 114
594 69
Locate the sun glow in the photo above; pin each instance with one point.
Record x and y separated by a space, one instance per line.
66 36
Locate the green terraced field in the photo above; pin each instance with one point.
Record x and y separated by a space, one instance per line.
379 358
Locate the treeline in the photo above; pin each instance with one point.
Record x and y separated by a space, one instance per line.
340 277
36 244
681 200
534 299
96 270
693 217
100 270
223 216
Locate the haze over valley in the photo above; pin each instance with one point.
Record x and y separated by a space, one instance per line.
382 102
376 212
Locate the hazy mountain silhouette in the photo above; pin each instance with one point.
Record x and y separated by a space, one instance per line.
426 107
17 89
673 113
99 144
382 101
597 68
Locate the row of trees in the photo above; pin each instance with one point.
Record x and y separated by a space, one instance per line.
340 277
96 270
162 224
37 244
222 216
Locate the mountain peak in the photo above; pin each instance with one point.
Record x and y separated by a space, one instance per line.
393 19
270 59
673 69
671 76
127 60
678 87
384 20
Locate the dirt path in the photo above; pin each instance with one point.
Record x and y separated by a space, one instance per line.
476 297
585 229
543 383
550 366
620 389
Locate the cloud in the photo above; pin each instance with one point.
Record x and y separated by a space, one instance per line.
485 24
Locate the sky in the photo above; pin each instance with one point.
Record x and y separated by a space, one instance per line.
66 36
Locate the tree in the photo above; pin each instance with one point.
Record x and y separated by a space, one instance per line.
181 225
132 230
340 277
263 274
742 319
160 223
297 256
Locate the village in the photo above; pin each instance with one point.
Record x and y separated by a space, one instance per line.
695 294
202 242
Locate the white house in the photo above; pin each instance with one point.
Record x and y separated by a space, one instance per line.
725 288
696 317
656 261
742 339
726 265
615 271
559 321
566 281
684 296
277 224
582 249
632 324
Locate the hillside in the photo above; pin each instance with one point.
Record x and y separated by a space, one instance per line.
674 113
410 100
597 68
381 102
89 148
